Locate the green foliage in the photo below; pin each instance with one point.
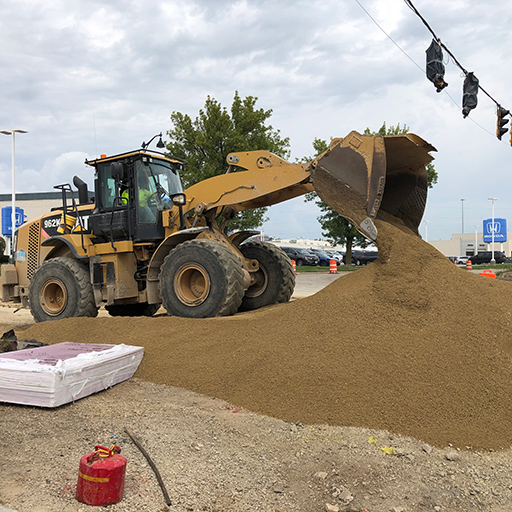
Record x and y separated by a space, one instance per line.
206 141
338 230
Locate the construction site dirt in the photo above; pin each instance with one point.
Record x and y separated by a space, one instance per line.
384 391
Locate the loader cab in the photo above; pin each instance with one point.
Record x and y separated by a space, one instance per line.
131 191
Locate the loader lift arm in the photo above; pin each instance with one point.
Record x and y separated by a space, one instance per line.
358 176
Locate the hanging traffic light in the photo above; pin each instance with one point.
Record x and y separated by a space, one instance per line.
501 122
469 96
435 66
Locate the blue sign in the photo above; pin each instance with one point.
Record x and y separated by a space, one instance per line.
499 228
19 218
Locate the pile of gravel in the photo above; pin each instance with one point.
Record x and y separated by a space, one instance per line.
410 344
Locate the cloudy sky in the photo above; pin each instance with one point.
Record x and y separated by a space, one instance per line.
86 77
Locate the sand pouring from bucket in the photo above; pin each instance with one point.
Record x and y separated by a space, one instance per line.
360 176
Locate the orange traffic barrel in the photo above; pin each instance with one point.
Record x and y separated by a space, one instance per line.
333 267
469 265
294 265
488 273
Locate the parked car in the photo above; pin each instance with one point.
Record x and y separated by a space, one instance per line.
345 258
486 256
301 256
362 257
461 260
335 256
367 257
324 260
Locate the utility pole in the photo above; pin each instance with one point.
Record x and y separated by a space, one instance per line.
13 196
493 261
462 202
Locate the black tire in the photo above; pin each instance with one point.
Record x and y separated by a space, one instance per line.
324 264
61 288
142 309
201 279
299 262
275 280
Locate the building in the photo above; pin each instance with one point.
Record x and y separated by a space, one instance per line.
34 204
463 244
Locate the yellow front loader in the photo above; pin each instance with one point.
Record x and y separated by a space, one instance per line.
145 242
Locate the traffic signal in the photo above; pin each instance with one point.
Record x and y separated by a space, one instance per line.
469 95
435 66
501 122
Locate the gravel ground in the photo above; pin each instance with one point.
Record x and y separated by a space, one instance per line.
215 457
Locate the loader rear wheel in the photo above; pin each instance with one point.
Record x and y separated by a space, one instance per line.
61 288
275 279
200 279
142 309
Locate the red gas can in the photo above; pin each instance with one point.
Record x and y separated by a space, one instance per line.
101 476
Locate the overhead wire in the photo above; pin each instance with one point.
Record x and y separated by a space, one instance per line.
443 46
413 8
389 37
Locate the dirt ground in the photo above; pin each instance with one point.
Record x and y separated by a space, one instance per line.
215 457
380 393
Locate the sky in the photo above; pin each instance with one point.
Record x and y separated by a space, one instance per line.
86 77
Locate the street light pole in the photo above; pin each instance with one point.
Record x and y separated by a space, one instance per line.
426 230
13 212
462 202
493 261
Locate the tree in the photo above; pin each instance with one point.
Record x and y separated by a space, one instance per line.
337 229
206 141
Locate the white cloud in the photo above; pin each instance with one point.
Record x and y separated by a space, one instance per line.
99 77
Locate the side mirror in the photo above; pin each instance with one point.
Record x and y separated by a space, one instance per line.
117 170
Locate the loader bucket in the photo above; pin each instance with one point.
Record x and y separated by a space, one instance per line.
360 176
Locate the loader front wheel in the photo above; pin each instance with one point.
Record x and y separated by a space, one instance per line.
274 281
61 288
200 279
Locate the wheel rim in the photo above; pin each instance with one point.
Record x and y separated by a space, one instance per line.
192 284
260 283
54 297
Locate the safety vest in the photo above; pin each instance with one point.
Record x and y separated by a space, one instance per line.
144 195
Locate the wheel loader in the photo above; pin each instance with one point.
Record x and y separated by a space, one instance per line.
143 242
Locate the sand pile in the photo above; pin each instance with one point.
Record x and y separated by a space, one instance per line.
410 344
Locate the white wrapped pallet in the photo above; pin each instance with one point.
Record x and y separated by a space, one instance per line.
57 374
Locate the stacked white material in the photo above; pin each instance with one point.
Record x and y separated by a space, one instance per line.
61 373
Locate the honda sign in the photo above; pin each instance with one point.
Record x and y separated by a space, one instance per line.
499 228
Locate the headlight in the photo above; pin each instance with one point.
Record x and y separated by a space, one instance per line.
179 199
